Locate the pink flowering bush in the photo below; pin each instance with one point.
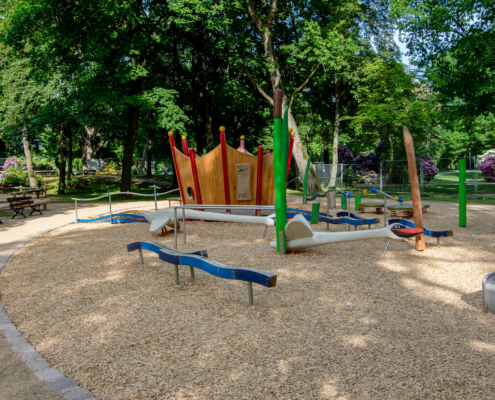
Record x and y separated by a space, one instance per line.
487 169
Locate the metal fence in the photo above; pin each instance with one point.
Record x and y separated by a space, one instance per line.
437 177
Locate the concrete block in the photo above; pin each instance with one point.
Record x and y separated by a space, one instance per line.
48 374
30 355
78 394
35 365
22 347
16 340
62 383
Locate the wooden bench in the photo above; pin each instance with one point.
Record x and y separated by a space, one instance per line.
4 188
405 211
36 203
18 204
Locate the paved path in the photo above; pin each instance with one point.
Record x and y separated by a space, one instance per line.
32 380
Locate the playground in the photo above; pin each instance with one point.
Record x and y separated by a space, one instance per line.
344 321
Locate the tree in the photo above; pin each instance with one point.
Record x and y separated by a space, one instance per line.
455 43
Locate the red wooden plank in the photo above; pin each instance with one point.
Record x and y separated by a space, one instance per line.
184 146
192 157
172 145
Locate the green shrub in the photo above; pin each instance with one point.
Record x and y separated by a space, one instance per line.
16 176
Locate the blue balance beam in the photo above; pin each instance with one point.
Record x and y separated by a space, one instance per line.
200 260
116 218
342 217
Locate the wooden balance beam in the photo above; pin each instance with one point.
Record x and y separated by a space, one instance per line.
199 259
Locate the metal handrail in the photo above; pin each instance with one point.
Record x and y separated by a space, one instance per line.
155 195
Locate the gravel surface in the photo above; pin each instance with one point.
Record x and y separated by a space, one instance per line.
343 322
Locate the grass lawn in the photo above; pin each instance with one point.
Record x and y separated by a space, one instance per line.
453 196
101 185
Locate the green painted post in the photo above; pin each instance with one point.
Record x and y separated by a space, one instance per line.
343 202
285 140
279 170
315 210
305 184
462 192
357 200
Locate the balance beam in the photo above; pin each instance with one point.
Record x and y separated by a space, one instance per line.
199 259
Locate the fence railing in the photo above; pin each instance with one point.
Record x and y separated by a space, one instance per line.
155 196
437 177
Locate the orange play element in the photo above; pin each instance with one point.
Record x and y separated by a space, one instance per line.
170 133
415 189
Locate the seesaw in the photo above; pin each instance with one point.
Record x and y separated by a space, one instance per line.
435 234
116 218
199 259
299 234
161 218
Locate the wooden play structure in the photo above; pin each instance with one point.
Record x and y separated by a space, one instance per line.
225 175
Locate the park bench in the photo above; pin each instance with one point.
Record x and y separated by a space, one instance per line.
17 204
4 188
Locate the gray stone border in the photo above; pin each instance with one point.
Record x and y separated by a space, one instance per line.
52 377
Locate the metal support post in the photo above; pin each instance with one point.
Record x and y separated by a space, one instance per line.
110 204
328 209
175 227
191 270
184 224
342 176
386 246
176 271
141 256
264 234
381 176
348 211
250 293
75 204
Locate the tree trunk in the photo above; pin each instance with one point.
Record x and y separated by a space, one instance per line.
148 171
142 164
89 145
137 87
390 170
70 158
264 26
326 152
29 159
210 142
63 161
336 131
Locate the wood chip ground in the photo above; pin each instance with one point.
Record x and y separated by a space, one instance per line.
344 322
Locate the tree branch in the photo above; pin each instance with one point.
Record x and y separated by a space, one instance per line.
254 15
302 86
262 92
271 13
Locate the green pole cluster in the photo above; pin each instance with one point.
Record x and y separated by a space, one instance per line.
280 154
305 184
462 192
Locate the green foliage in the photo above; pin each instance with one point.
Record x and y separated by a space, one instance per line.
16 176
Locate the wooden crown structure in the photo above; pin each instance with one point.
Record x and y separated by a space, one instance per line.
225 175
